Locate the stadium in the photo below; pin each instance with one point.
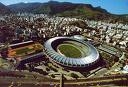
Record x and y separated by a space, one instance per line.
71 52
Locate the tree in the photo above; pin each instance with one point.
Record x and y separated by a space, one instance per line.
53 76
74 75
47 69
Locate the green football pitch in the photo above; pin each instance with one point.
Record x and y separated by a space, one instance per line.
69 50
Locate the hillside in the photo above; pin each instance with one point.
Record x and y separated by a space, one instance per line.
4 9
24 7
65 9
60 9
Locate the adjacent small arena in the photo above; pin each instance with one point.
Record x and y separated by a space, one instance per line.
71 52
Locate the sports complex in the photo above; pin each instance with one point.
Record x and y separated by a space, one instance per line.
71 52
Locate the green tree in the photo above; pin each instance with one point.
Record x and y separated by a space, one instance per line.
74 75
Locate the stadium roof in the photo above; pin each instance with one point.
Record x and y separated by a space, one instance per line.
71 62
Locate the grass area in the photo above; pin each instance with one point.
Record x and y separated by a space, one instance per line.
30 48
69 50
4 64
23 50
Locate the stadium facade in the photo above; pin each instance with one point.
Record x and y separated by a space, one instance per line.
52 44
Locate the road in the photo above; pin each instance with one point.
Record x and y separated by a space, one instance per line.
27 82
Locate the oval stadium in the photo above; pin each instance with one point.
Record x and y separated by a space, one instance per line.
71 52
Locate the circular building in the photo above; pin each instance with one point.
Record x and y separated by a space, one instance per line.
71 52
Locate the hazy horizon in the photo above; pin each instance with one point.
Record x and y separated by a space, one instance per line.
112 6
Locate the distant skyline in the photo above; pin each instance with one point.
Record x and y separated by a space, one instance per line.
112 6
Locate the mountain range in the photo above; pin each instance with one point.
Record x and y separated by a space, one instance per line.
58 9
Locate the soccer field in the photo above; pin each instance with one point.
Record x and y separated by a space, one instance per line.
69 50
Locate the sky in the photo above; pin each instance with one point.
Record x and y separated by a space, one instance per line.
112 6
